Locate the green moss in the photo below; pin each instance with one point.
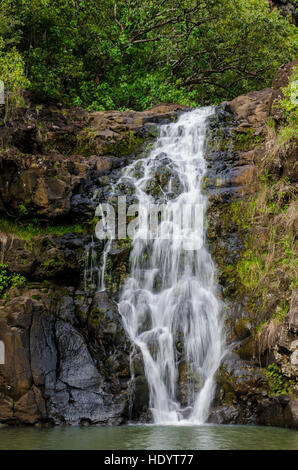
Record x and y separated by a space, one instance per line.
153 188
289 131
206 182
53 265
116 272
245 141
84 148
121 273
247 349
124 145
62 143
34 229
268 261
281 311
250 270
224 144
36 297
277 382
227 384
125 242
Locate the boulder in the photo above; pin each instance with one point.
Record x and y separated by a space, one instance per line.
252 110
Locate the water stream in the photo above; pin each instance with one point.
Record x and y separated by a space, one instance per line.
168 304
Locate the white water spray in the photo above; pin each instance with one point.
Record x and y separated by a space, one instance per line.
168 304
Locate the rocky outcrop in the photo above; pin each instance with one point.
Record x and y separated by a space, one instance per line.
252 110
255 338
45 257
52 159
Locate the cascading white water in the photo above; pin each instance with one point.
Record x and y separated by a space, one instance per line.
168 304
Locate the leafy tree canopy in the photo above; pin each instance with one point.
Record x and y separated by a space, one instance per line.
107 54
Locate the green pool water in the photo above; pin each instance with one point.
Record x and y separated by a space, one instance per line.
208 437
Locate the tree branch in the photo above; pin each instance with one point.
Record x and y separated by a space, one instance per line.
115 17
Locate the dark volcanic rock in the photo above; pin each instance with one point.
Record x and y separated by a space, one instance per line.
58 371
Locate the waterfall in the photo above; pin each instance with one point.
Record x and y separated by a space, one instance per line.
168 304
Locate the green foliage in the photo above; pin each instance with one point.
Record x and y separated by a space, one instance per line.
4 279
35 229
22 209
8 280
17 280
12 64
12 74
133 54
269 261
245 141
278 383
266 272
281 311
289 106
251 270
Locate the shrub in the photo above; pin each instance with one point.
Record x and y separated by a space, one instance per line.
8 280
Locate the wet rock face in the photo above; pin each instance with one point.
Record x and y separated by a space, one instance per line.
230 167
277 412
243 397
58 370
139 390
